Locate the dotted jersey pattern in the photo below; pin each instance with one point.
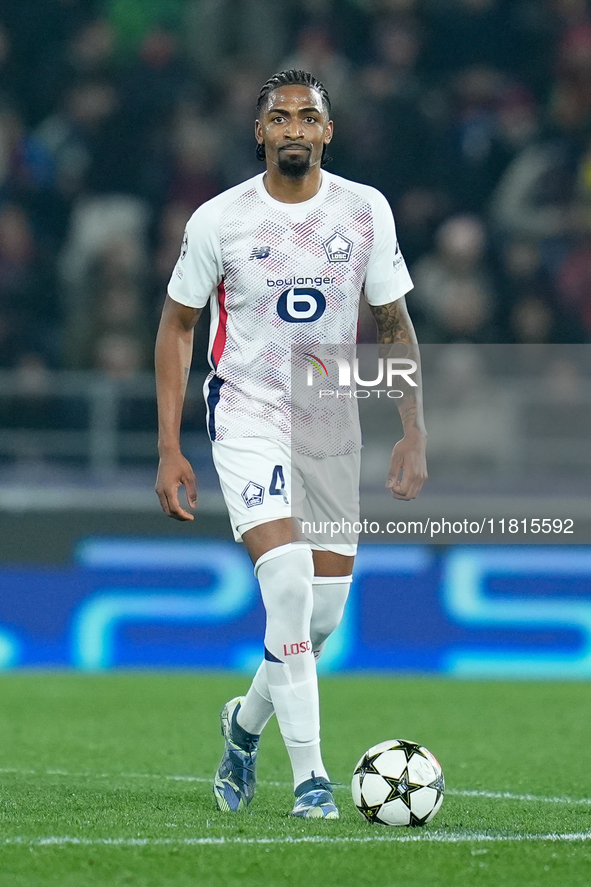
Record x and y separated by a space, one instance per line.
261 349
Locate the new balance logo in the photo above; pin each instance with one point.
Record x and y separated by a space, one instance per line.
260 252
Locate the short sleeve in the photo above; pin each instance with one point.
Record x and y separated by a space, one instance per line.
387 277
198 270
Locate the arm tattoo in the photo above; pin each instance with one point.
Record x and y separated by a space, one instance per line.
395 330
393 322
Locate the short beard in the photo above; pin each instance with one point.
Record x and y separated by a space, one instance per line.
293 167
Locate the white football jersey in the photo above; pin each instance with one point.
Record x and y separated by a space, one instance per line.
284 279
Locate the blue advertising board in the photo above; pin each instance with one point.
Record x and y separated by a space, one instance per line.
468 611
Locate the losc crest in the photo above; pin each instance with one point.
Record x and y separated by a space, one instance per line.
253 494
338 248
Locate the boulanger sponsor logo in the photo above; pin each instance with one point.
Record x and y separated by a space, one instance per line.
388 372
300 302
338 248
300 281
253 494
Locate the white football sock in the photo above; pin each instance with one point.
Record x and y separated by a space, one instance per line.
285 576
330 597
257 708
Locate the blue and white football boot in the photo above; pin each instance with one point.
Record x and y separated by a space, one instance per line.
235 781
314 800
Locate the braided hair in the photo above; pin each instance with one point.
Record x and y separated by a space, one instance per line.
289 78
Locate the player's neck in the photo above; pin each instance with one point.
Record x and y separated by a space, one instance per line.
288 190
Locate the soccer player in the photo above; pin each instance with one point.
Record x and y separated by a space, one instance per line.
243 251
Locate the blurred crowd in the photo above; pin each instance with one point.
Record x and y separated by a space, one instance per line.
119 117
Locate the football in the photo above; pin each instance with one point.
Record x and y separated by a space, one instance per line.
398 783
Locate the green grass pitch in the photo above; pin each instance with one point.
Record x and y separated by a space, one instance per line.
106 781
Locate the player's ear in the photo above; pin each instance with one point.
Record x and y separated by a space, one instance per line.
258 132
329 132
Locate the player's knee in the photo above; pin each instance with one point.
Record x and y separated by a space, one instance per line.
322 626
285 575
330 597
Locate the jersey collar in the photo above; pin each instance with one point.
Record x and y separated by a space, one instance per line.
293 209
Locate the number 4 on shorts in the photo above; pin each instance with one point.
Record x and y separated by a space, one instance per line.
277 485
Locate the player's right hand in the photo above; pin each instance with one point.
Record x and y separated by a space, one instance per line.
175 471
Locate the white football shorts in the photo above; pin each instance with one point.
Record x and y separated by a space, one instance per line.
263 480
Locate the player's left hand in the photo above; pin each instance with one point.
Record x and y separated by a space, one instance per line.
408 466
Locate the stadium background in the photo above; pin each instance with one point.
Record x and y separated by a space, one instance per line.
118 118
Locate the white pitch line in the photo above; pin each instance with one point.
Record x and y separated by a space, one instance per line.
509 796
464 793
429 837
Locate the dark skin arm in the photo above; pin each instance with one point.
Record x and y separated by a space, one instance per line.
396 333
174 349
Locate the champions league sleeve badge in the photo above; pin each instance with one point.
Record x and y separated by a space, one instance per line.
338 248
